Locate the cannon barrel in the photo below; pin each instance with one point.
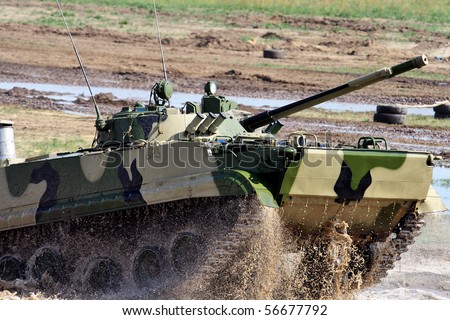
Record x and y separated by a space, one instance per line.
264 118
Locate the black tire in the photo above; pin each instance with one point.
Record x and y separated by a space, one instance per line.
102 274
389 118
186 252
46 260
11 268
438 115
442 108
273 54
147 267
391 109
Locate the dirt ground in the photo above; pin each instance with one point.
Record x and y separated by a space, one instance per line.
315 60
320 53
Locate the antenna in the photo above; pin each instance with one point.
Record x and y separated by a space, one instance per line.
160 43
99 122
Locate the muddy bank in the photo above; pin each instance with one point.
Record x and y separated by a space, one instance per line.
320 53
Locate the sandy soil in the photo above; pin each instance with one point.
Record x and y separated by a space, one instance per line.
323 53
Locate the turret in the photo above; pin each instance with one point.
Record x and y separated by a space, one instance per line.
216 115
271 116
132 126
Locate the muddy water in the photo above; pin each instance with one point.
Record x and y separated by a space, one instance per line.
423 272
441 182
249 261
67 94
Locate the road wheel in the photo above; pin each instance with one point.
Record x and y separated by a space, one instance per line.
11 268
102 274
186 251
147 267
46 261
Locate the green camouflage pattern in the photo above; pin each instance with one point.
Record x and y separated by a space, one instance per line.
370 189
154 154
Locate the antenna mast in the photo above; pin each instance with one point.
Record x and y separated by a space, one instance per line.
99 122
160 43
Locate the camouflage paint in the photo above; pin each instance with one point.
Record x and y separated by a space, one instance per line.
289 179
355 176
239 182
372 159
357 173
368 189
79 184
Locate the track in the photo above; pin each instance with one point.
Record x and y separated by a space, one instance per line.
209 248
149 252
381 256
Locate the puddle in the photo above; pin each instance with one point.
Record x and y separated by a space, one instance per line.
67 94
75 113
441 182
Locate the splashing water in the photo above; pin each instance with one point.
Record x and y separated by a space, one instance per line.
251 254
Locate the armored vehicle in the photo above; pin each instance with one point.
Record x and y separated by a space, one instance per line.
206 201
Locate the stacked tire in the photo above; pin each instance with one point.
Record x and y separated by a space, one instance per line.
392 114
442 111
273 53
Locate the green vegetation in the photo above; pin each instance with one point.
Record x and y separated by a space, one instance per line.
52 145
247 38
411 120
356 71
44 145
427 121
39 132
426 10
319 113
136 15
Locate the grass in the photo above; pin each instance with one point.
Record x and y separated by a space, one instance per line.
427 121
320 113
426 10
356 71
137 15
39 132
53 145
411 120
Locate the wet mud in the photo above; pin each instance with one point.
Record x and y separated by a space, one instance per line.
245 253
